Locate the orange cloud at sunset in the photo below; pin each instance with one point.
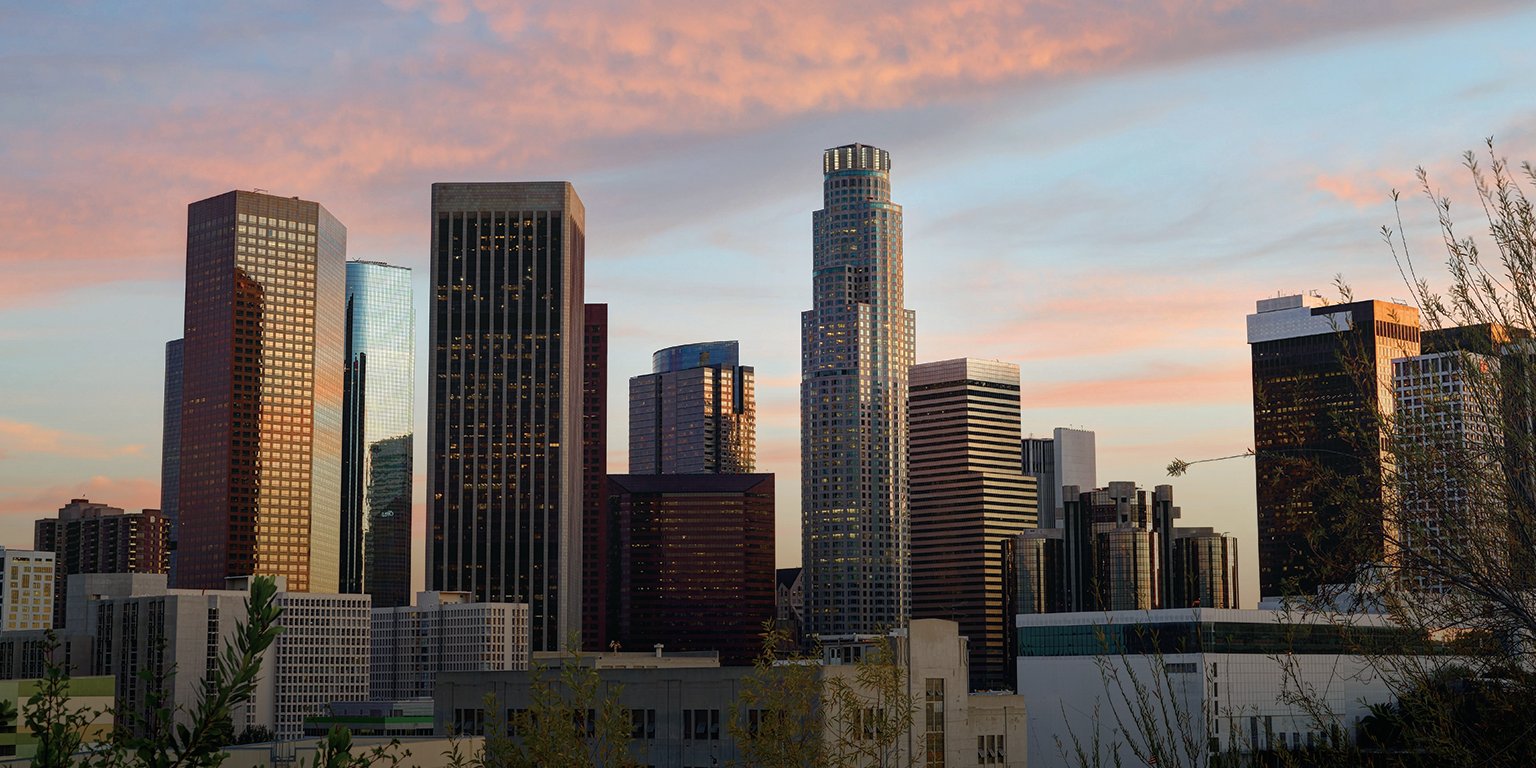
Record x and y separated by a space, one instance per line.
20 438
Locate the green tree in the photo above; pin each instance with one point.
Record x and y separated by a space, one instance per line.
869 713
776 718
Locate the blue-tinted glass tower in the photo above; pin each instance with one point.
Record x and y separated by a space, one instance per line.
377 433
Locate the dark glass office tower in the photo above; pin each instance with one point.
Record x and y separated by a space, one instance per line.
377 437
1322 376
694 562
505 427
262 392
694 413
170 447
596 521
857 342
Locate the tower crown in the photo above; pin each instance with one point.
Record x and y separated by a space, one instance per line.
855 157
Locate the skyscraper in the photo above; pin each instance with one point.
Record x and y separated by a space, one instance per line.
260 459
505 430
694 413
857 341
170 448
969 498
596 522
1067 457
377 433
1322 378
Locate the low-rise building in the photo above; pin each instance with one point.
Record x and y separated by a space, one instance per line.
90 695
680 705
1220 674
443 632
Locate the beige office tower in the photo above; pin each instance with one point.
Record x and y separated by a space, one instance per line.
261 393
970 498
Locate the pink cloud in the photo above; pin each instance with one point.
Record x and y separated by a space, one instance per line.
40 501
1359 191
496 88
20 438
1207 385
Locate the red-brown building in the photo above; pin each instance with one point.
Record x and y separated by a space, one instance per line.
693 562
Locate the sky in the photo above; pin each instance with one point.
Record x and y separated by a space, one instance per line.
1096 190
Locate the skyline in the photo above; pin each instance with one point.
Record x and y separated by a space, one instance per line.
1259 172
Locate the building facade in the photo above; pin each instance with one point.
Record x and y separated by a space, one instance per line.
1067 457
505 428
969 499
260 458
170 449
1322 378
693 562
378 429
1220 676
858 342
26 589
694 413
681 708
443 632
1204 570
595 523
87 537
143 632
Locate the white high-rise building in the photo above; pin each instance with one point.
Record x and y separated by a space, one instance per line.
444 632
26 589
138 625
858 341
1067 457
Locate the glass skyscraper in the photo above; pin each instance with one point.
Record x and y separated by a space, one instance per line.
694 413
505 429
857 345
170 446
260 459
377 433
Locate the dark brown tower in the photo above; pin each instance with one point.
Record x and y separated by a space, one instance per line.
1322 376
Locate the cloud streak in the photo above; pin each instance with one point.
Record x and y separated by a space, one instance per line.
18 438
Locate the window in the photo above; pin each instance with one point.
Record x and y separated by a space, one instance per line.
701 725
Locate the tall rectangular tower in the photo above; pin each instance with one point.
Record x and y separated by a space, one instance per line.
694 413
505 430
170 447
857 343
260 459
378 433
595 516
1322 382
969 498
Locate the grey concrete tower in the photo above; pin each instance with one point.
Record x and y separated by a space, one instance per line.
504 480
857 345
